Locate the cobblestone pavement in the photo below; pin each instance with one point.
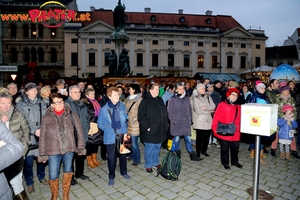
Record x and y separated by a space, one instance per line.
206 179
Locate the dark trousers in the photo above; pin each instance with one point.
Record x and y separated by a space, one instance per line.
112 161
234 149
202 140
91 149
79 164
103 151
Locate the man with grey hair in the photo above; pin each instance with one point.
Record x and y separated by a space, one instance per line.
13 91
81 110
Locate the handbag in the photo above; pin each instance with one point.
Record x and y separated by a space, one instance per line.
227 129
96 139
93 128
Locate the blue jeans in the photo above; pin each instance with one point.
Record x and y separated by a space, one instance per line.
54 164
28 172
151 154
135 154
252 146
188 143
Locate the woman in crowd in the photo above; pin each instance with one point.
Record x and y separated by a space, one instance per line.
60 88
57 143
45 93
152 115
227 112
16 122
292 86
203 106
246 92
132 103
94 134
112 120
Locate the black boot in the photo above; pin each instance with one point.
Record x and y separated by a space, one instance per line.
194 157
178 153
73 181
273 154
295 154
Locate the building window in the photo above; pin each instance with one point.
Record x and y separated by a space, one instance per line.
125 17
74 40
229 44
153 18
229 61
139 41
214 44
155 42
257 46
155 59
186 43
208 21
214 61
243 62
91 59
200 60
92 40
53 55
243 45
14 55
26 55
41 30
186 60
41 54
257 61
13 30
33 30
33 55
139 59
74 59
170 60
200 44
26 31
107 41
53 32
170 42
106 59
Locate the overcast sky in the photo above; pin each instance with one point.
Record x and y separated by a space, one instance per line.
278 18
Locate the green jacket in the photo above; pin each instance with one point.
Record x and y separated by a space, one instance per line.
281 102
272 95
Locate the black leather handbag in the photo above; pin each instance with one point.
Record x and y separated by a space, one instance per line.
227 129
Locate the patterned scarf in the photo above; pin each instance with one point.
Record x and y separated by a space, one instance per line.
96 106
115 118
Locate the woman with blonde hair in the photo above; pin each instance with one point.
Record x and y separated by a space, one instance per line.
45 93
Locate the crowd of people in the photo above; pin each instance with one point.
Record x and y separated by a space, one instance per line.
59 124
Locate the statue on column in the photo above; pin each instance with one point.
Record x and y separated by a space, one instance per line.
119 16
124 67
112 67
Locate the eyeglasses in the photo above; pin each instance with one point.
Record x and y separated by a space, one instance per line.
58 102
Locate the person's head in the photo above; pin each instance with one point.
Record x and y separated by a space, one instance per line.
260 87
210 87
120 90
90 86
31 90
5 101
74 92
134 89
274 85
206 81
200 88
60 84
284 90
81 85
57 101
113 94
171 88
90 93
45 91
245 88
218 84
287 109
232 94
153 89
12 88
3 89
291 84
180 88
232 84
187 85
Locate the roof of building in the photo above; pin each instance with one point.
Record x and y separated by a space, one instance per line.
281 52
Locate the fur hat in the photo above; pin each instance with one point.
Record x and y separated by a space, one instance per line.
231 90
259 85
287 107
285 87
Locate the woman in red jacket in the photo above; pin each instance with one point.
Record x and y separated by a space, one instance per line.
227 112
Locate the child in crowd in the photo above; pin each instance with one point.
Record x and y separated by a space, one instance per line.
286 124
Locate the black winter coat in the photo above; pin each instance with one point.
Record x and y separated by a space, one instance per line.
152 113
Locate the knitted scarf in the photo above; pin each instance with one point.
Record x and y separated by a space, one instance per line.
96 106
115 118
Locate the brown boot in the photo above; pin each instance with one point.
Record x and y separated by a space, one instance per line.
67 177
288 156
252 153
54 188
282 155
95 161
21 196
90 162
261 160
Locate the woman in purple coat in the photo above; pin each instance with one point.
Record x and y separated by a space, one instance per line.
180 115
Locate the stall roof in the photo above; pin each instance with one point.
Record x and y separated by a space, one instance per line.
218 76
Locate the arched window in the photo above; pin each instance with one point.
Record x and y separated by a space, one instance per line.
208 21
26 55
53 55
14 55
33 55
25 30
33 30
41 54
182 19
153 18
41 30
13 30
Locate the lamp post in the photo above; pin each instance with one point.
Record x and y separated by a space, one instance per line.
77 67
220 35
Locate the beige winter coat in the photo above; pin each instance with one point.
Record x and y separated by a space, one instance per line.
202 118
133 123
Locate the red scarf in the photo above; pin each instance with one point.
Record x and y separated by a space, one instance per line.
59 113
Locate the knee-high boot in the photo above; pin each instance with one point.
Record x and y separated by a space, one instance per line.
67 177
54 188
21 196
